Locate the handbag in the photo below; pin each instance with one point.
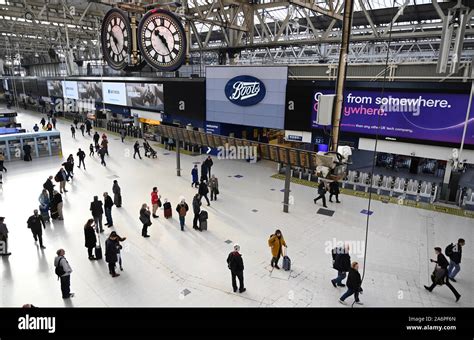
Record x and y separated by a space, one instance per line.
159 203
438 275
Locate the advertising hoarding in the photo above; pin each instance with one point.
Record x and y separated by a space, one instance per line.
145 96
114 93
70 89
55 88
90 90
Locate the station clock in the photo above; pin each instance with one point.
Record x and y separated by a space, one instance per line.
116 38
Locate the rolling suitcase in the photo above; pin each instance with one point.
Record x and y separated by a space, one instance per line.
203 220
286 262
168 213
203 225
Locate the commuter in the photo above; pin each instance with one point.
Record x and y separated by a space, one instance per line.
75 122
334 191
182 208
97 212
354 283
146 147
104 136
236 266
73 131
341 261
322 193
48 185
96 138
61 177
108 204
204 172
102 153
34 223
170 144
88 127
276 242
145 219
167 210
111 253
27 152
69 168
63 270
36 128
70 159
57 206
209 164
440 275
214 185
44 204
195 175
53 120
155 201
136 148
454 252
196 210
119 248
42 122
117 194
203 191
122 134
90 237
105 144
49 127
2 160
82 128
91 150
82 155
3 238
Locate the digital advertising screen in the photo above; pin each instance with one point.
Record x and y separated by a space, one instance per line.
438 117
114 93
90 90
70 89
55 88
145 96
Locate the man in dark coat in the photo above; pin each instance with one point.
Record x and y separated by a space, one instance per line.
90 238
195 175
48 185
442 263
354 283
203 191
204 172
27 151
35 222
454 252
111 245
96 138
342 263
321 193
209 163
108 204
102 153
117 194
136 150
97 212
73 131
236 266
82 155
196 210
88 127
334 191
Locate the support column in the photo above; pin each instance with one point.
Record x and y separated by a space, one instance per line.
178 157
447 177
286 197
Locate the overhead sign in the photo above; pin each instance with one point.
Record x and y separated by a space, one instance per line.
114 93
298 136
245 90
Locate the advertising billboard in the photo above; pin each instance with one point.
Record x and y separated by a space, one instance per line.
90 91
70 89
145 96
437 117
55 88
114 93
251 96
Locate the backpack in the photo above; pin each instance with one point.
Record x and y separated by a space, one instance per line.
59 269
58 176
449 250
182 210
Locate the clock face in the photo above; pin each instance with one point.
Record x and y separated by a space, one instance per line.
116 38
162 40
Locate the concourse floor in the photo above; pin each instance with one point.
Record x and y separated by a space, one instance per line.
174 268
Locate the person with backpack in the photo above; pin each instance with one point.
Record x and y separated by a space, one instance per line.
97 212
145 219
155 201
354 283
82 155
61 177
322 193
195 176
454 252
90 237
36 128
117 194
63 271
182 208
111 257
334 191
34 223
341 261
108 204
276 242
196 210
203 191
440 274
236 266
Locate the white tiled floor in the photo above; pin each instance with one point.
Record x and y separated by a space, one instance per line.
158 269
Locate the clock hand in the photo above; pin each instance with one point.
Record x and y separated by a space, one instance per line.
163 40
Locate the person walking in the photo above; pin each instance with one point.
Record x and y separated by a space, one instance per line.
102 153
2 160
117 194
122 134
334 191
88 127
97 212
82 128
145 219
34 223
105 144
354 283
441 273
53 120
90 237
276 242
203 191
341 261
73 131
75 122
236 266
182 208
136 148
155 201
209 163
195 176
108 204
91 150
81 155
43 122
61 177
214 185
49 186
69 167
454 252
49 127
44 204
196 209
96 138
57 206
204 172
63 270
3 238
111 253
322 193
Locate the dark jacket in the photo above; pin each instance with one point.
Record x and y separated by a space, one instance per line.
235 262
321 188
442 261
145 216
58 198
166 205
68 166
35 222
111 251
456 253
194 173
116 189
81 154
96 138
334 188
208 163
96 208
203 189
353 280
108 203
342 260
91 239
204 170
196 205
136 146
178 207
48 185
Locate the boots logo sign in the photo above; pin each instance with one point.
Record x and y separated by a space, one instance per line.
245 90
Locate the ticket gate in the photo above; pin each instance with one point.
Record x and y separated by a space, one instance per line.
43 144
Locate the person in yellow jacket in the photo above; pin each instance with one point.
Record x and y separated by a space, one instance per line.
276 243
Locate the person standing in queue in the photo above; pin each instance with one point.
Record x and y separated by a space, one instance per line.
196 210
108 204
111 253
214 185
145 219
117 194
57 206
48 185
441 272
97 212
155 201
63 270
182 209
90 237
236 266
276 242
44 202
35 222
322 193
